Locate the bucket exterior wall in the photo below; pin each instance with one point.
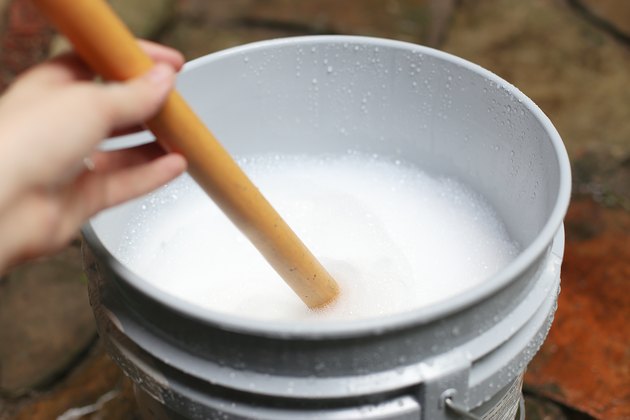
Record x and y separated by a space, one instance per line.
326 95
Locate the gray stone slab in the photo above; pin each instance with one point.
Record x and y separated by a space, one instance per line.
45 321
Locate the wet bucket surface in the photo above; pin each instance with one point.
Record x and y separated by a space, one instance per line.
307 95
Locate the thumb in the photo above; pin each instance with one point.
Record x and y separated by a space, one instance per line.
136 100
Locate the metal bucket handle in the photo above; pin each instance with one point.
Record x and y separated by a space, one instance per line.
447 400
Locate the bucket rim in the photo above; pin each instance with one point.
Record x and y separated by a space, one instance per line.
385 323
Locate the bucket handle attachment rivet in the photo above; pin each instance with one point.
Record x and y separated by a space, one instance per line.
446 401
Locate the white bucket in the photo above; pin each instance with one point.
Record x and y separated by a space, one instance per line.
466 355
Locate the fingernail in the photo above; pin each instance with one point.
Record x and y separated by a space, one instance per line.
159 73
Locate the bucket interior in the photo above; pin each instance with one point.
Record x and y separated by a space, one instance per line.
328 95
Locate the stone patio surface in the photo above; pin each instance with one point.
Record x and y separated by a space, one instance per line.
572 57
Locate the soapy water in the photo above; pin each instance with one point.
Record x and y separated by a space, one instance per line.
392 236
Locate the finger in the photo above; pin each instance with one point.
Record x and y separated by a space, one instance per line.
131 103
101 109
61 69
128 130
42 221
119 159
163 54
69 66
97 191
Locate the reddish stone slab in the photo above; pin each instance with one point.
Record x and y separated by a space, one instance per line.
585 362
45 321
97 377
24 40
614 14
201 26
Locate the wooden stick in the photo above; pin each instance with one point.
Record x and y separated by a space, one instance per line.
106 44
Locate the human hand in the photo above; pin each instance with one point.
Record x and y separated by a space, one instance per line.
51 120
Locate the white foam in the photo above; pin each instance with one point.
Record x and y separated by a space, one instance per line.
392 236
